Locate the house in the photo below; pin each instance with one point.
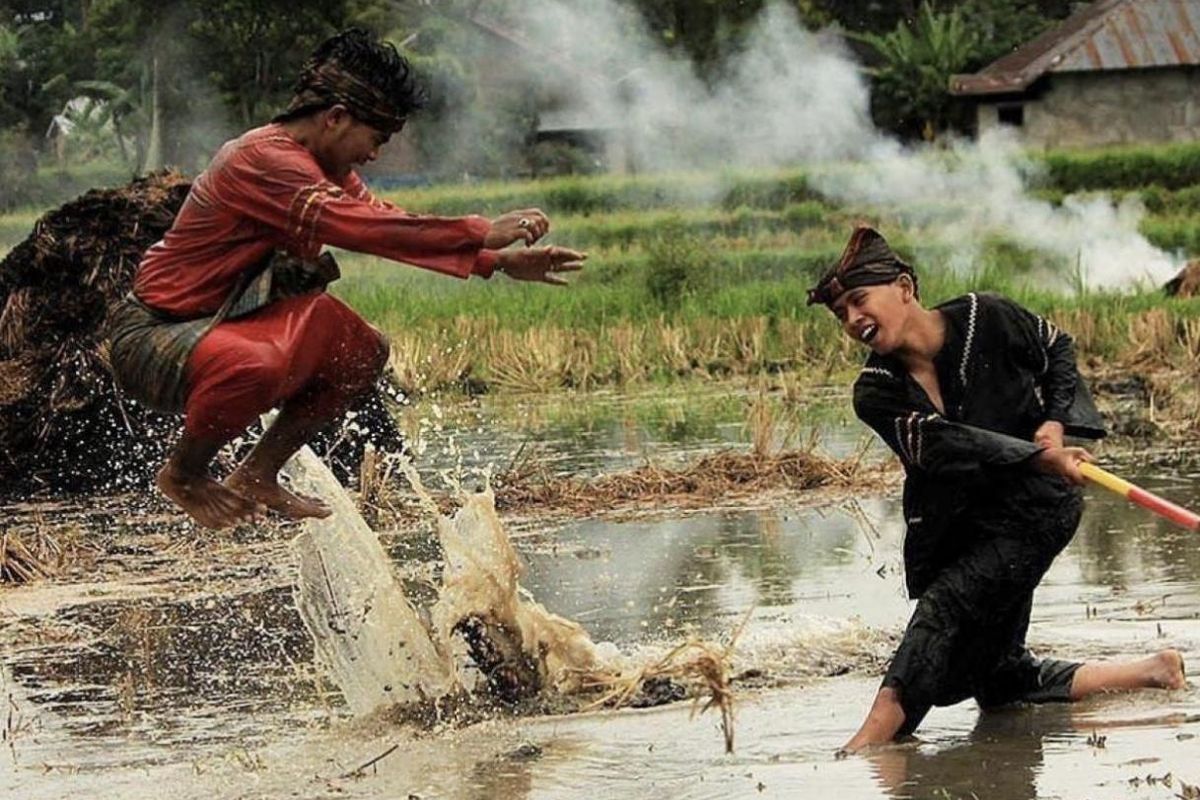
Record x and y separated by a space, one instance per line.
1115 72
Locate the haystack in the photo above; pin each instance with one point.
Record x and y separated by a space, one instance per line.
63 426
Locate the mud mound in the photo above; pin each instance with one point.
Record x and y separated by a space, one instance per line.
1186 283
63 427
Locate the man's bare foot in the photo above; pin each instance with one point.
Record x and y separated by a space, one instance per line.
268 492
1167 670
205 500
883 722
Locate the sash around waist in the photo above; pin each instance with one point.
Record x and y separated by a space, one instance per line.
149 349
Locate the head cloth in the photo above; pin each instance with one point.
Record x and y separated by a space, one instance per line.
866 261
327 82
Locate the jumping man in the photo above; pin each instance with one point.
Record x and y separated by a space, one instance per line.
228 316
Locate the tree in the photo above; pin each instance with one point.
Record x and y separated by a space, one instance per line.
1004 25
9 52
705 30
882 16
911 84
252 50
42 42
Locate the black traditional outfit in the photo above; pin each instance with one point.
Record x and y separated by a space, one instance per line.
982 525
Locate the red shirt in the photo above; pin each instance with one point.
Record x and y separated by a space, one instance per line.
264 191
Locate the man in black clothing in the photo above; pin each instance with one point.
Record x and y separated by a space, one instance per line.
975 397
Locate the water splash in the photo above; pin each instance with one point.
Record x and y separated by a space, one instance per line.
371 640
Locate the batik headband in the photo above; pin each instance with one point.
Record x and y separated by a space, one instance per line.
327 83
866 261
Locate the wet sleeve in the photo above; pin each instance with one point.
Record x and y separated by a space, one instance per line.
924 439
1050 352
285 190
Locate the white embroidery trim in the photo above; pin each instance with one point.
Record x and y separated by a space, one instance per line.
911 437
900 440
921 434
877 371
962 368
1047 334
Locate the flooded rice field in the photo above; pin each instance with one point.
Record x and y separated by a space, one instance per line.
171 662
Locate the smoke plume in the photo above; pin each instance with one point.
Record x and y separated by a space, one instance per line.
791 96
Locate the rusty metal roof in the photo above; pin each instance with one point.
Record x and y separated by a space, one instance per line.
1106 35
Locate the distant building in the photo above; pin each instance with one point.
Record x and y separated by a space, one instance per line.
558 116
1115 72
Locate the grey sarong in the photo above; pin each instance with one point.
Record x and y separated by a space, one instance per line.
149 349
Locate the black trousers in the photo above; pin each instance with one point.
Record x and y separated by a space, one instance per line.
966 637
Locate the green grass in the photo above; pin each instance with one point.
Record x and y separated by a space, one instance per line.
15 227
708 272
1175 166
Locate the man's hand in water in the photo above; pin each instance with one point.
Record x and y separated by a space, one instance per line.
1063 461
540 264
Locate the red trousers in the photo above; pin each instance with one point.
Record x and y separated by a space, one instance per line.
309 352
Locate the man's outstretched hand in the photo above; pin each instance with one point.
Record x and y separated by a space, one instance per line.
544 264
526 226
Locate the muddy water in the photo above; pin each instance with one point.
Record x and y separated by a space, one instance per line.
605 431
198 685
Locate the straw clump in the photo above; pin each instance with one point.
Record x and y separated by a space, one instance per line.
700 668
23 563
720 475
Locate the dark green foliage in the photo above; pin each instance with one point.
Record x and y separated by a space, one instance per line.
1170 167
911 84
768 192
18 169
676 267
561 158
1173 233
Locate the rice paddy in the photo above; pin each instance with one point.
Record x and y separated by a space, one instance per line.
705 275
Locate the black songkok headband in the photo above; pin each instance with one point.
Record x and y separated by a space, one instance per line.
866 261
326 83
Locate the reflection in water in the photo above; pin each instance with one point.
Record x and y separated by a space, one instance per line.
142 665
699 573
506 776
1123 544
1001 758
607 431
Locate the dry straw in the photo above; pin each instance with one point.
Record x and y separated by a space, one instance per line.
705 666
22 563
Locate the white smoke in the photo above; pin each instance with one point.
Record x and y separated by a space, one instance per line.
794 97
